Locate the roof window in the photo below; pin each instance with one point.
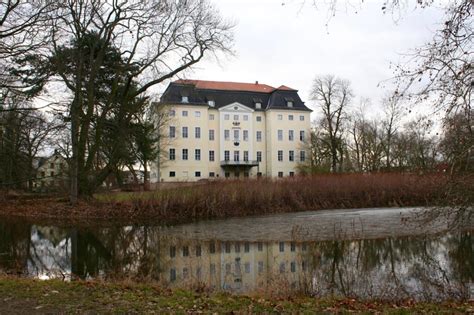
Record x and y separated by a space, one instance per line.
184 99
211 103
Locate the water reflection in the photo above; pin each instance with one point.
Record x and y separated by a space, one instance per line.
423 266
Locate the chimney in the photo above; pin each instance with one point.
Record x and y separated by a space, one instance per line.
256 82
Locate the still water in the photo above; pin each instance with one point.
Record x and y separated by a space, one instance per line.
382 253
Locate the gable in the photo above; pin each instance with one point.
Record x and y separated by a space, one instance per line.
236 107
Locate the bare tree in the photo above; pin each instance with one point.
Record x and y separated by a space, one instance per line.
333 95
441 72
155 40
21 32
390 125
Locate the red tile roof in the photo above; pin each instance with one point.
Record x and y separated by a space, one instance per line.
232 86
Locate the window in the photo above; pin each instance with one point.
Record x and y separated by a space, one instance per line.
197 154
301 135
292 246
246 117
197 132
259 118
293 266
212 174
246 174
198 250
282 267
291 135
226 155
226 134
172 274
185 273
246 135
260 246
301 118
289 103
237 247
280 174
212 248
292 174
197 114
247 247
184 99
184 132
236 134
172 174
280 155
236 174
172 251
291 156
211 134
247 267
260 266
280 117
172 131
212 269
185 113
211 116
51 174
185 251
236 117
172 113
290 117
172 154
303 265
197 174
236 155
281 246
302 156
226 117
258 105
211 156
259 156
246 156
211 103
280 135
185 154
227 174
227 247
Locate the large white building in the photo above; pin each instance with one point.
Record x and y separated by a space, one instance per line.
231 130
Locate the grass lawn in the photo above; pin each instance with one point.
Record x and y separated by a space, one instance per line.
26 296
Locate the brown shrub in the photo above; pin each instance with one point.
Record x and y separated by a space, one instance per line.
225 198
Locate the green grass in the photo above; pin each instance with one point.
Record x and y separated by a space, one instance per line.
54 296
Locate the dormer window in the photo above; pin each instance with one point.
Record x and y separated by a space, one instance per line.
258 103
289 103
184 99
211 103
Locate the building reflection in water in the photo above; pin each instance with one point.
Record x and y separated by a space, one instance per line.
426 267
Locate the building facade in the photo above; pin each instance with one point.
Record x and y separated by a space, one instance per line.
231 130
51 174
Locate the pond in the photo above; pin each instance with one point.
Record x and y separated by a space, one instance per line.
388 253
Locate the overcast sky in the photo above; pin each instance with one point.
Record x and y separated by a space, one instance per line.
289 44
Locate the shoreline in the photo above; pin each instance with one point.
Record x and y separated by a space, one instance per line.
226 199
